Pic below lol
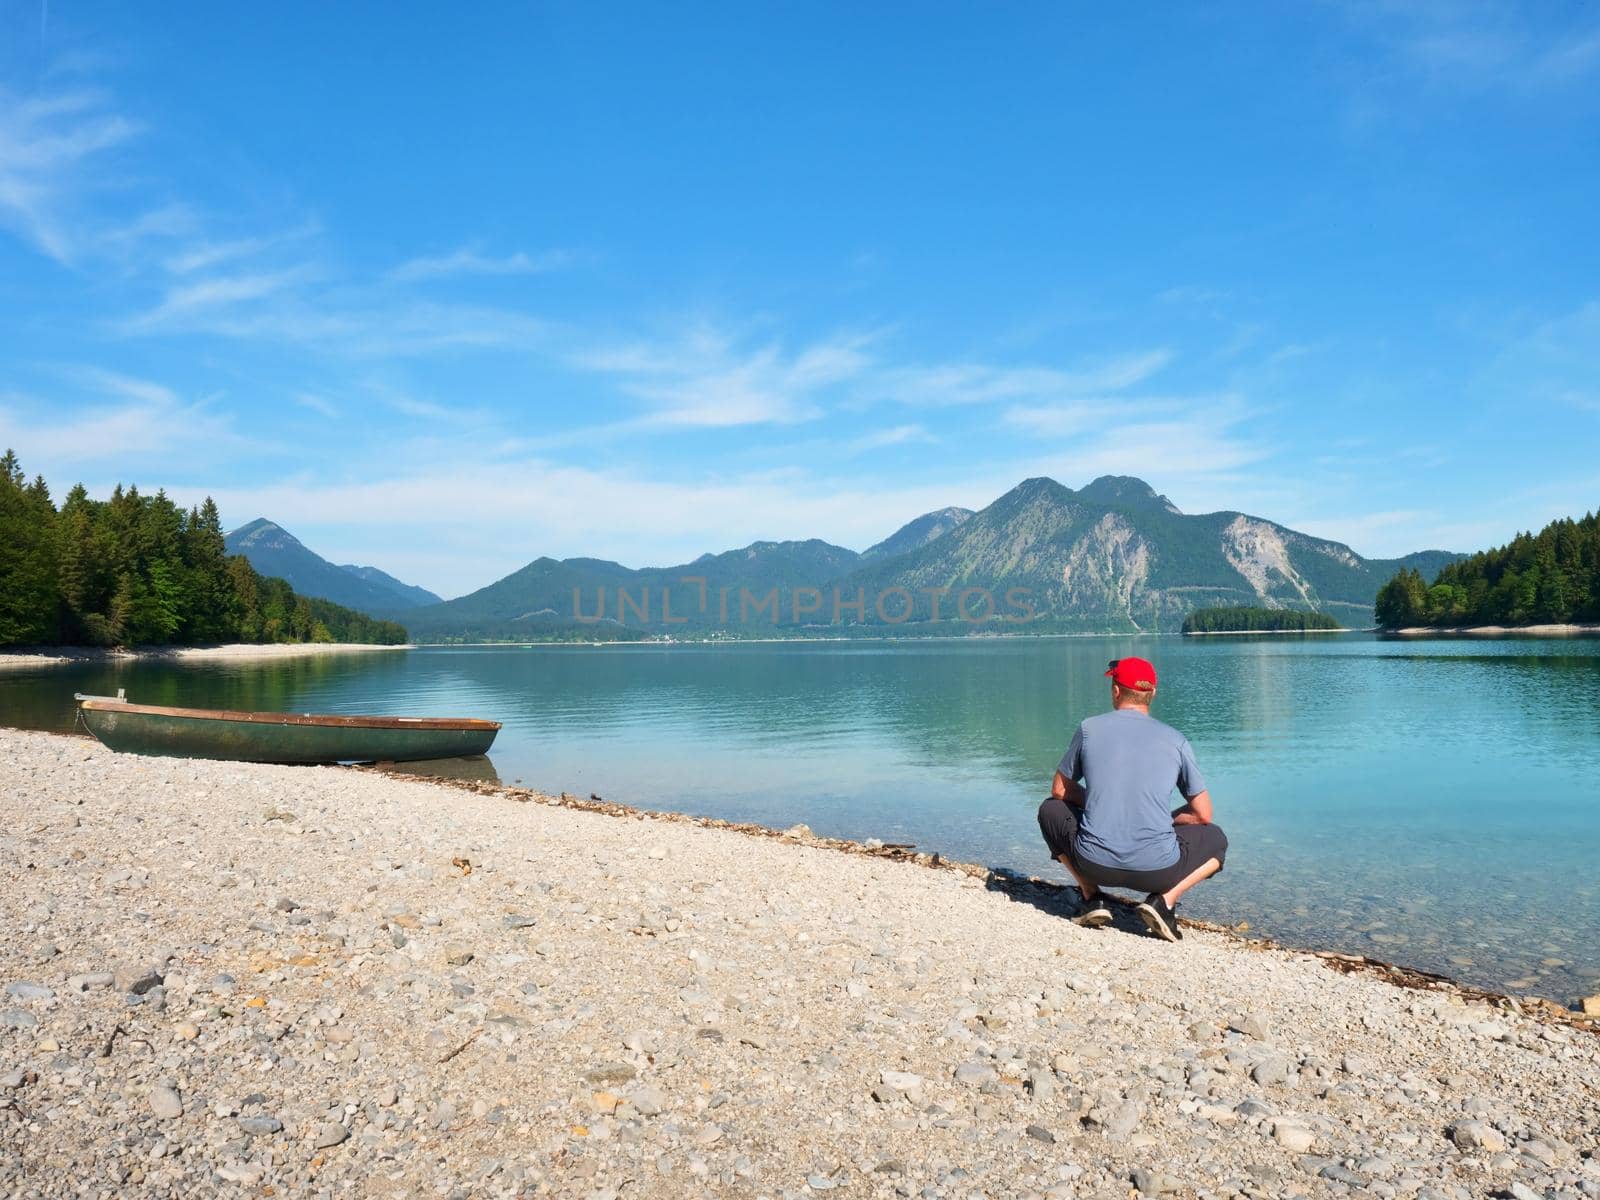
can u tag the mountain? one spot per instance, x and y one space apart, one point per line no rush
917 533
407 595
550 596
1115 556
1124 491
273 550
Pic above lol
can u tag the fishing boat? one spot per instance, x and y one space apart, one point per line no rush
271 737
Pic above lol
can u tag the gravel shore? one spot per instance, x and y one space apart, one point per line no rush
44 656
223 979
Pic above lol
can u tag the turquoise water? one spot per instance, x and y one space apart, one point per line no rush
1432 803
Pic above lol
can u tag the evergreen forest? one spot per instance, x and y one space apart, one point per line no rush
138 570
1547 578
1242 619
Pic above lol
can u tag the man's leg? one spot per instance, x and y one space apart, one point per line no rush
1088 890
1204 871
1202 850
1059 824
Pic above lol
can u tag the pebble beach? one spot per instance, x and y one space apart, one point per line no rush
27 658
228 979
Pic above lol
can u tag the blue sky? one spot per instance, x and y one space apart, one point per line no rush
444 291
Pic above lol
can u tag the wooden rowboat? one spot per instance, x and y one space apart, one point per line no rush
279 737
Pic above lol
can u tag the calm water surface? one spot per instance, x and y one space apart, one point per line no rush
1434 803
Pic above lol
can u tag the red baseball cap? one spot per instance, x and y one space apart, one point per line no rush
1135 673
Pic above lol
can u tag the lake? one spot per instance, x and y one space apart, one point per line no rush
1428 802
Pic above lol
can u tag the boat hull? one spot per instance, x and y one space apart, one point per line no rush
282 738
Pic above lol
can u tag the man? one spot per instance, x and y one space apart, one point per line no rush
1113 829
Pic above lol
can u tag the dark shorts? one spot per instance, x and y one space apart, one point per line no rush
1058 821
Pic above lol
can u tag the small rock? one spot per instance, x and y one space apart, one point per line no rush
284 904
23 990
260 1126
388 1095
649 1101
1251 1026
138 980
1296 1139
1040 1134
90 980
187 1030
1152 1183
641 1042
1476 1135
1339 1173
17 1018
1117 1122
1591 1005
1272 1072
975 1074
165 1102
901 1081
1042 1084
610 1072
459 956
242 1172
330 1133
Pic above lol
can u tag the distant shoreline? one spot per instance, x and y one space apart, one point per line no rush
1497 631
52 656
1264 632
778 641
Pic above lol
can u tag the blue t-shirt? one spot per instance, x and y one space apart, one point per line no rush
1129 763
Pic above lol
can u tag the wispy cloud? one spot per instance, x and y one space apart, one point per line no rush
145 424
1488 43
1069 418
897 435
218 293
471 261
316 404
206 253
51 152
129 387
708 379
982 383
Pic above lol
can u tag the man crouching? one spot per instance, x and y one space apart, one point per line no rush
1113 829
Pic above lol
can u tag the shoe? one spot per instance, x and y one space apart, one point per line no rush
1094 913
1159 919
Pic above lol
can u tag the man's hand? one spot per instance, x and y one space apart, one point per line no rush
1066 789
1196 812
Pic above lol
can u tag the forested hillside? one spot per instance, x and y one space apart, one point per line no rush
1243 619
137 569
1548 578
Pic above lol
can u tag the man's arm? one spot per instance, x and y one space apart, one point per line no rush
1066 789
1065 784
1196 812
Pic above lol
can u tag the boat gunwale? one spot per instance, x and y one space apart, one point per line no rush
323 720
